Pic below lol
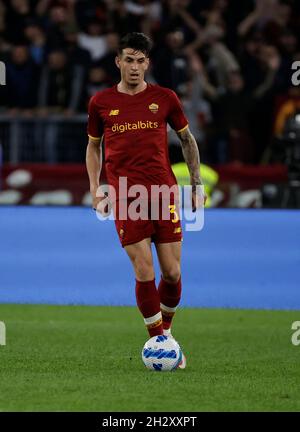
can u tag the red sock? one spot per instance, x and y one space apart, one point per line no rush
170 294
148 302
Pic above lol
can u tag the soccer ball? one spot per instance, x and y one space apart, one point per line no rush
161 353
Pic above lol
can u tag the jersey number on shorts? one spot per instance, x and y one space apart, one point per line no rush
173 211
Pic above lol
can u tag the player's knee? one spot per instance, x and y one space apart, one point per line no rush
143 270
172 274
144 274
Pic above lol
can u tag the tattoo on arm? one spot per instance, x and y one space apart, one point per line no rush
191 155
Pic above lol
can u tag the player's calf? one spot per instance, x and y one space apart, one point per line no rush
170 294
149 305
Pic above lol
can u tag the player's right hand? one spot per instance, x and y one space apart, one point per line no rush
101 204
199 197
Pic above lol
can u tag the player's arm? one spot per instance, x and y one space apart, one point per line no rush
94 162
192 158
94 165
191 154
94 151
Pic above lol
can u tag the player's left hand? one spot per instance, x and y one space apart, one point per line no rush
199 197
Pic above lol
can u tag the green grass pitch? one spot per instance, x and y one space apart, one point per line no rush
87 358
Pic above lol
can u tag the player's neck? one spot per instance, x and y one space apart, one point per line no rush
123 87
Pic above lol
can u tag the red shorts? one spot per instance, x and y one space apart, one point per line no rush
161 223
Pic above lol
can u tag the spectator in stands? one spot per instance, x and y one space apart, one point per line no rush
57 21
36 40
269 17
60 90
232 129
5 46
59 93
107 62
84 11
143 15
22 77
55 88
79 61
250 60
97 80
129 16
171 65
264 96
178 14
260 65
218 60
2 17
221 61
94 40
17 14
76 54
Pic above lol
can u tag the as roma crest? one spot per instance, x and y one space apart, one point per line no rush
153 108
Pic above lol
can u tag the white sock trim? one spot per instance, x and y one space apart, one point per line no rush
167 308
153 319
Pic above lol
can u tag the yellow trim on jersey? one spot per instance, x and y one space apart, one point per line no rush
94 138
184 128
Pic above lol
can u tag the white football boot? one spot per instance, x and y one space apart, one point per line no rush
182 364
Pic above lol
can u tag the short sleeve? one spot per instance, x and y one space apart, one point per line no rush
176 117
95 125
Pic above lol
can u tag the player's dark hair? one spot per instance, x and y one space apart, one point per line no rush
136 41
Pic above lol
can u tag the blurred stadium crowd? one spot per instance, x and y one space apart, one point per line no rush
229 61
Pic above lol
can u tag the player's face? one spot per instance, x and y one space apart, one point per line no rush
133 65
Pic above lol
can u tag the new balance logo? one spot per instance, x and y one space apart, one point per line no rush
114 112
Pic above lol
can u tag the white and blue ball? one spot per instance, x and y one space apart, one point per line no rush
161 353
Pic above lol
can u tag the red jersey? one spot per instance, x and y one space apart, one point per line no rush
135 133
